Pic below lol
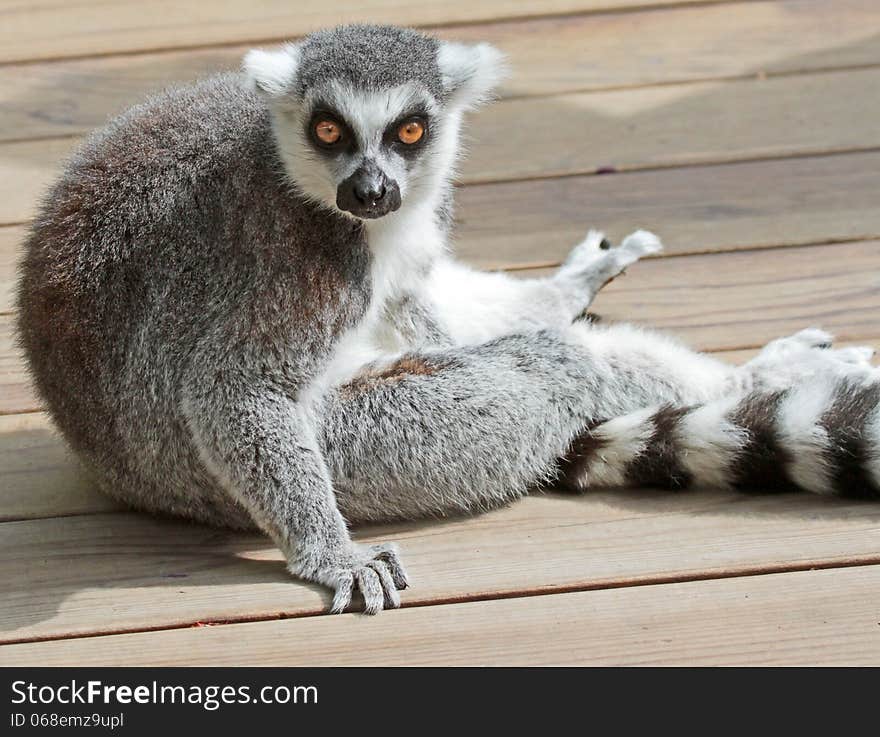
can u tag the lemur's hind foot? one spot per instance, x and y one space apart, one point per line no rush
808 355
594 262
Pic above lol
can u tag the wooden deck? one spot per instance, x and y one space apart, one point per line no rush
747 134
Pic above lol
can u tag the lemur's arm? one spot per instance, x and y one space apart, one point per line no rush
473 306
259 444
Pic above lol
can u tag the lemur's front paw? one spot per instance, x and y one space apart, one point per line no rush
375 570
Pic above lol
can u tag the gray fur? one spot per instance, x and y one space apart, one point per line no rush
408 320
117 317
370 57
465 429
191 305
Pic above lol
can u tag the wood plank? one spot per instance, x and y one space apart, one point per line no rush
29 168
39 476
46 29
700 209
673 125
712 301
16 393
733 303
547 56
803 618
687 43
10 242
624 129
121 572
744 299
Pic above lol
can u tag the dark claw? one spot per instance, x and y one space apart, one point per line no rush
605 245
588 317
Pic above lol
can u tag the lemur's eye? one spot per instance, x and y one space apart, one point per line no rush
328 131
411 131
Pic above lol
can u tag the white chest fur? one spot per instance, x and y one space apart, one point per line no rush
404 245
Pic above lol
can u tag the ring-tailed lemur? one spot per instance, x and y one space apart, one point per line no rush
239 305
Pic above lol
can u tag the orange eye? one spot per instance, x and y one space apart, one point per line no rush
328 131
411 132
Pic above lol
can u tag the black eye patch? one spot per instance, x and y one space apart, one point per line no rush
414 125
328 131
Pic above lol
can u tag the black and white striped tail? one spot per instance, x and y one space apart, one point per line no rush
823 439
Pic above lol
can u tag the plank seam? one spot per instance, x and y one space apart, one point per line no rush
48 138
607 171
28 411
759 75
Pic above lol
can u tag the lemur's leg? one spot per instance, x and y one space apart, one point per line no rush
467 428
261 448
804 356
473 306
594 262
472 427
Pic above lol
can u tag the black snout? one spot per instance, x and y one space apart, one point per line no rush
368 193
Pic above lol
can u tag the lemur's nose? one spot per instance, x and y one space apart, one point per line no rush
369 191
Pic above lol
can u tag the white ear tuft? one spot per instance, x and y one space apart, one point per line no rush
274 71
470 72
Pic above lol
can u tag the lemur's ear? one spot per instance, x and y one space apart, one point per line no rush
272 72
470 72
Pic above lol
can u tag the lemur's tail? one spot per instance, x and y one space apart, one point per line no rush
825 439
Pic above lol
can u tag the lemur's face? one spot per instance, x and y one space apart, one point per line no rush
367 117
365 150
